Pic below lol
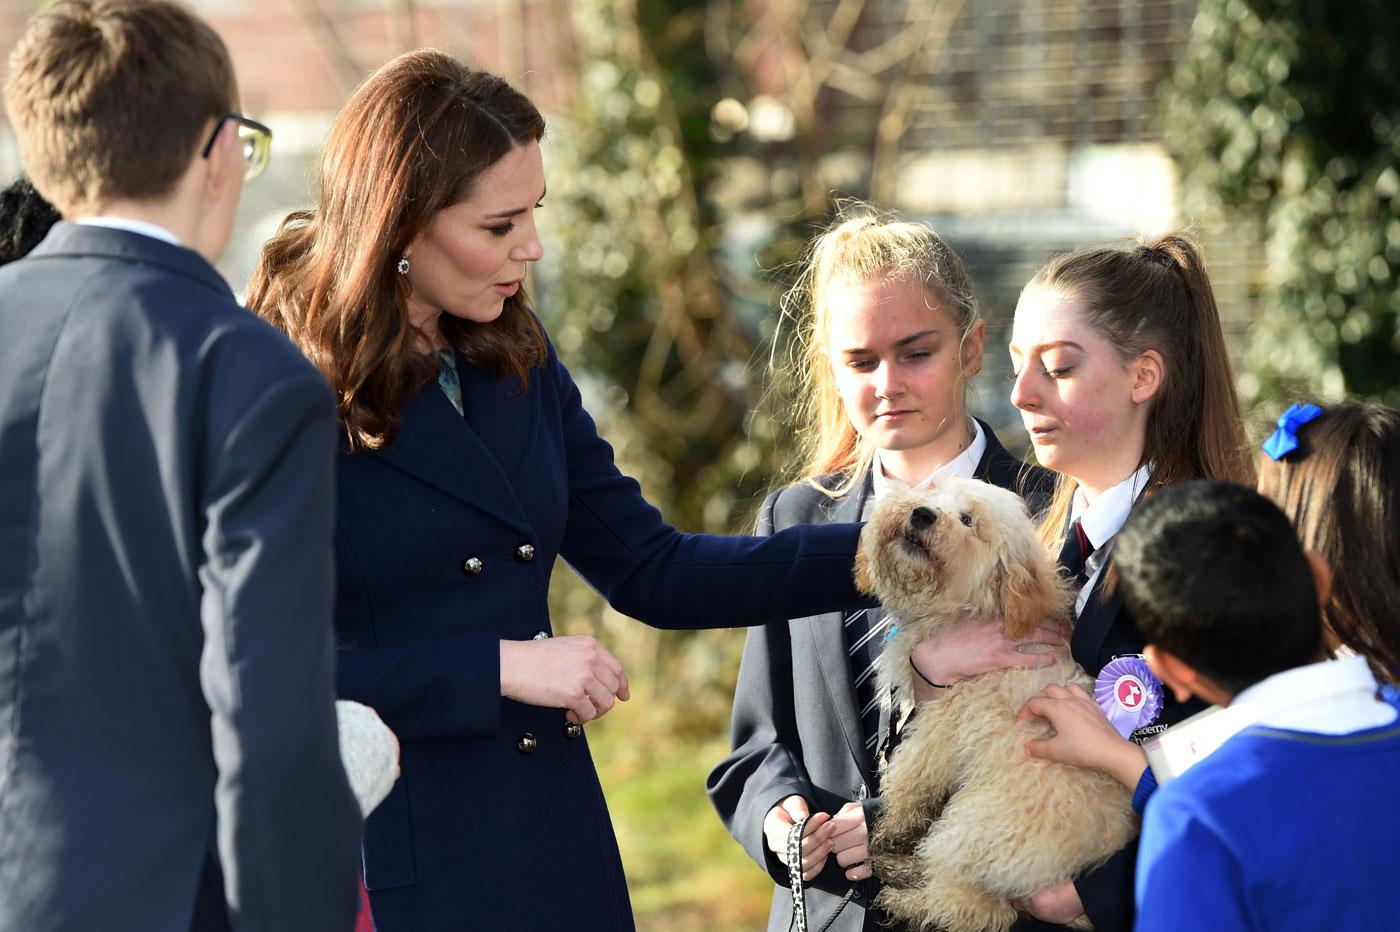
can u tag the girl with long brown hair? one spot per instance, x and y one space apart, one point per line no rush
1340 484
469 465
1125 386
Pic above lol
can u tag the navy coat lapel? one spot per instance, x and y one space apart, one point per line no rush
435 446
828 642
505 420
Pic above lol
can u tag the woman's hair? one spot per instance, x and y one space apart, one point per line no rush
1156 296
25 219
860 246
1341 487
411 141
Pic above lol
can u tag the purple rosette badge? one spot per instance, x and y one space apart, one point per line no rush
1129 693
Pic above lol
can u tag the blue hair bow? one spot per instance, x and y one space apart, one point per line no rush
1285 440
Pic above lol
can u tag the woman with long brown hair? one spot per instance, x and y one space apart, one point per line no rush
469 465
1125 386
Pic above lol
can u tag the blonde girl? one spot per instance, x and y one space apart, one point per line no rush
889 334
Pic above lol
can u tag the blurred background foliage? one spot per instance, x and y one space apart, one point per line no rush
1286 114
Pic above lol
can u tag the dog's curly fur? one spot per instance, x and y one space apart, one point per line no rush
969 823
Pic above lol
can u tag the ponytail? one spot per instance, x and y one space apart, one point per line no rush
1158 296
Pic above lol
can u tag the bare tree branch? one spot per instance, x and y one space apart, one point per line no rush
346 70
938 20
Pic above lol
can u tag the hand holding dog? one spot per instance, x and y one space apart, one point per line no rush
1083 736
1058 905
816 834
972 646
574 673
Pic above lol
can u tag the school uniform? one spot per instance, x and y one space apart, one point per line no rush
447 538
1290 824
798 727
1105 631
168 754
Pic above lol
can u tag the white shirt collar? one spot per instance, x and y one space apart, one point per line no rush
1105 516
962 465
131 226
1332 697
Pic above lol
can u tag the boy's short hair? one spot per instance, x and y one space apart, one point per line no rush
1214 574
110 98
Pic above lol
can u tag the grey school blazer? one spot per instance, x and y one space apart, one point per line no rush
168 754
797 728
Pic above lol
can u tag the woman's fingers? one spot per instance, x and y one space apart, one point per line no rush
600 696
582 706
617 676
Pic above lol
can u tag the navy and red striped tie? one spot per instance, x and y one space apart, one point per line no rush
1074 555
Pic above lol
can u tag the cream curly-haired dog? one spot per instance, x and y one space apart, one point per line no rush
969 823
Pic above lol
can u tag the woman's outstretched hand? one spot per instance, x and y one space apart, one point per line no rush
971 646
574 673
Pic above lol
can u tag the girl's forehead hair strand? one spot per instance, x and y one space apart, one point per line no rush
864 249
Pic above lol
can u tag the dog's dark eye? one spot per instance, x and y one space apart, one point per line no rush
967 519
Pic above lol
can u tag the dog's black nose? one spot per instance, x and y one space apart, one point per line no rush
921 518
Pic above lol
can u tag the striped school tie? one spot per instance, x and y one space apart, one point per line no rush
866 630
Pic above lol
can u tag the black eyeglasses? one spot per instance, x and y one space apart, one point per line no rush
253 137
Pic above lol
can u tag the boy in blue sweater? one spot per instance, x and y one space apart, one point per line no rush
1292 823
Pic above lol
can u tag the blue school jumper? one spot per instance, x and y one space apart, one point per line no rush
1278 829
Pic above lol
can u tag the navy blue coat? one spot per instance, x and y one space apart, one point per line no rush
434 572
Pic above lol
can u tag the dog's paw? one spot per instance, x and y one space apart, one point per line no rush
896 870
947 907
903 904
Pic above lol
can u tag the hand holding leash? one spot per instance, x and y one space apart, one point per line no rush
816 837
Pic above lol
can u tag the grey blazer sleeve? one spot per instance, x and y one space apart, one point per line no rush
288 826
763 769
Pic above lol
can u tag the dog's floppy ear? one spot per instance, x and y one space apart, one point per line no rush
862 572
1028 593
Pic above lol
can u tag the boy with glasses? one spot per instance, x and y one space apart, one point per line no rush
168 755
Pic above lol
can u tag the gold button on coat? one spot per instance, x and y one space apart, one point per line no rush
473 566
572 730
525 552
526 743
